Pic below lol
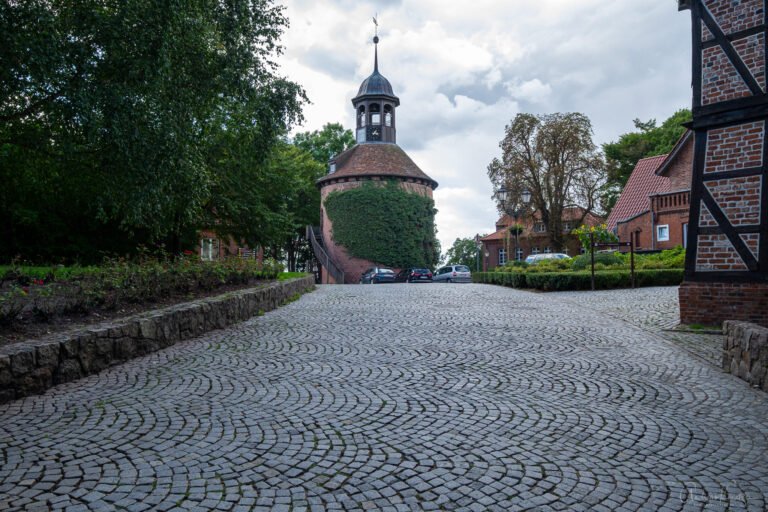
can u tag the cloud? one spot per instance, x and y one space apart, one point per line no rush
463 72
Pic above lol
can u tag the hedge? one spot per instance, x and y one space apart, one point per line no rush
563 281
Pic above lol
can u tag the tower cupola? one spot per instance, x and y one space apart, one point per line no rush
375 106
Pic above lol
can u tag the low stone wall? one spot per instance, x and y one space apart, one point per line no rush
745 352
32 367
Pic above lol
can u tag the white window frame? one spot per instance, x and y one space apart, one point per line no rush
539 227
519 254
547 250
662 233
535 250
502 256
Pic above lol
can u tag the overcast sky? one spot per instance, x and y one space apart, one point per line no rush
462 70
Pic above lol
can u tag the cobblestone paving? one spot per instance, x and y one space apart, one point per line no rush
398 397
653 309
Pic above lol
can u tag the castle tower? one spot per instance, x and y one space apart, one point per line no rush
375 159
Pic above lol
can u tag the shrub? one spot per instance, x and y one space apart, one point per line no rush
608 259
562 281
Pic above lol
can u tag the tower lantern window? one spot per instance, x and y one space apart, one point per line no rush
375 114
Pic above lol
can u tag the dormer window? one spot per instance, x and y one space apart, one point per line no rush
332 168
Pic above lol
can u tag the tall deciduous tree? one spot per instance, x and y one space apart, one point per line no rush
138 112
326 143
552 156
464 251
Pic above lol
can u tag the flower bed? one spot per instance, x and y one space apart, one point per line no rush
41 294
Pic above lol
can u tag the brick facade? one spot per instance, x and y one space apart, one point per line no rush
726 268
712 303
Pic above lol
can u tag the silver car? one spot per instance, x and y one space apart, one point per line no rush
453 274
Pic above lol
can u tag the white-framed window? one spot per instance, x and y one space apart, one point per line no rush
547 250
685 235
332 168
208 249
502 257
662 233
567 227
538 227
375 118
535 250
519 254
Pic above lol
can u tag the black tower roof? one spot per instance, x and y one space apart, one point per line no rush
376 84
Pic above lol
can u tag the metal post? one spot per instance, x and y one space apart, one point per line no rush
632 261
592 253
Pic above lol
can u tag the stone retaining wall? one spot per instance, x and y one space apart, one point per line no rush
745 352
32 367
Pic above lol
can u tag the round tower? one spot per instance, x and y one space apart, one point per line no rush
375 158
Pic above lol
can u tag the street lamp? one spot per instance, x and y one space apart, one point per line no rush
479 246
514 207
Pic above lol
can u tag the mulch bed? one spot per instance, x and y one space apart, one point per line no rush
30 327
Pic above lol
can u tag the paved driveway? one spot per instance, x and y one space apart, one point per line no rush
399 397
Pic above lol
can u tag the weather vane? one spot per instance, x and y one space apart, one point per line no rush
376 33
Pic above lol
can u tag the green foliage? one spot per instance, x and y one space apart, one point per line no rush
606 259
651 140
326 143
563 281
284 276
385 224
78 289
599 234
463 252
108 141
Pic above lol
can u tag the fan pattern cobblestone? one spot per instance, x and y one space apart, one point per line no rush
398 397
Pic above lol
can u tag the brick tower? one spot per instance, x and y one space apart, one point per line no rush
376 157
727 256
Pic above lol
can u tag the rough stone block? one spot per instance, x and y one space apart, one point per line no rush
48 356
68 370
5 370
22 360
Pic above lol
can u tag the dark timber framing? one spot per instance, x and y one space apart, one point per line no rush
721 115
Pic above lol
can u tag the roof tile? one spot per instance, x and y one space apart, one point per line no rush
642 183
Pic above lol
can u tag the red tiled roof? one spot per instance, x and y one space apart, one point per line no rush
375 160
642 183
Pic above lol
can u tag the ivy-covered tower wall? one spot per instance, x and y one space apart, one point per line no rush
727 250
352 266
376 203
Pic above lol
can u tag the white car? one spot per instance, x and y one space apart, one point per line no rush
536 258
453 274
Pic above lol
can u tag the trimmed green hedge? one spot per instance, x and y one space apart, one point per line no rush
563 281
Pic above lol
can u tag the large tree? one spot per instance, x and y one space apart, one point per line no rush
464 251
326 143
649 140
553 157
133 114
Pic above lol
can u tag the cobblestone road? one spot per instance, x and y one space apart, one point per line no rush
398 397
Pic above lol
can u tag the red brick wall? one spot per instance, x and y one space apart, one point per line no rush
713 303
675 220
642 226
734 147
681 170
720 81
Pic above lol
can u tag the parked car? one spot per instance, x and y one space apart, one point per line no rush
377 275
453 274
536 258
414 275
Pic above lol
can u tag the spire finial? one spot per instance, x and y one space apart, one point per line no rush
376 44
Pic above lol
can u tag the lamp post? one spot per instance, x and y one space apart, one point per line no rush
514 207
479 246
